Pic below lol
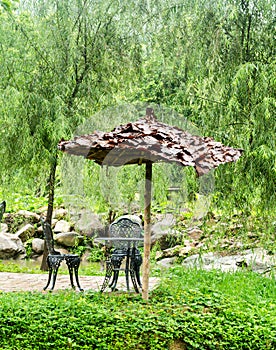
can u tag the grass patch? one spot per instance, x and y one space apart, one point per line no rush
191 309
27 266
87 268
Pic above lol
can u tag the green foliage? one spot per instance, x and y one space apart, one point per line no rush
30 266
96 254
23 198
22 267
212 62
206 310
8 5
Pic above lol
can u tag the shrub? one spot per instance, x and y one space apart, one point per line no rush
200 310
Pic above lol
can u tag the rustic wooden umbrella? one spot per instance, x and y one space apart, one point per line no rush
148 141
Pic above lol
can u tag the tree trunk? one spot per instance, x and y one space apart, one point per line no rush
147 232
51 195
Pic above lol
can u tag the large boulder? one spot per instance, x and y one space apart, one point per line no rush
38 245
168 253
176 251
161 230
60 214
195 233
167 262
163 225
3 228
26 232
16 221
62 226
89 224
68 239
257 260
10 246
29 216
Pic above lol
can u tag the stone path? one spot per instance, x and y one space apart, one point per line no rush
15 282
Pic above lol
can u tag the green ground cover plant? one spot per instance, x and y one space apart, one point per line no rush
27 266
190 309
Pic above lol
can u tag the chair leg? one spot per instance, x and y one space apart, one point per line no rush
53 262
108 274
113 273
133 277
116 264
128 268
69 264
54 279
138 262
49 278
77 279
114 281
73 263
135 263
137 274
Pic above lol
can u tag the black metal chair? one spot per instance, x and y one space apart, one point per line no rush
2 209
55 258
124 236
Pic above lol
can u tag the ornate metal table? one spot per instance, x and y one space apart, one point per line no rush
133 261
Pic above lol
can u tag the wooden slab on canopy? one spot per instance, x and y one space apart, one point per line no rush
147 139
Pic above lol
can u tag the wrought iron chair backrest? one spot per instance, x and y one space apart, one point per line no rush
124 228
2 210
49 239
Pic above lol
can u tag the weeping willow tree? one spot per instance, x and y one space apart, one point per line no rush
60 61
214 62
211 61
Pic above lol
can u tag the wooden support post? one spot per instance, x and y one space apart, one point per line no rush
147 232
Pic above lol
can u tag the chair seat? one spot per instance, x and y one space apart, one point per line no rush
64 255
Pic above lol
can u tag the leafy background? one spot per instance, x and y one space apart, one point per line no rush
63 62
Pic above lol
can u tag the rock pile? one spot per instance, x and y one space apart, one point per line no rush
21 235
256 260
22 231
